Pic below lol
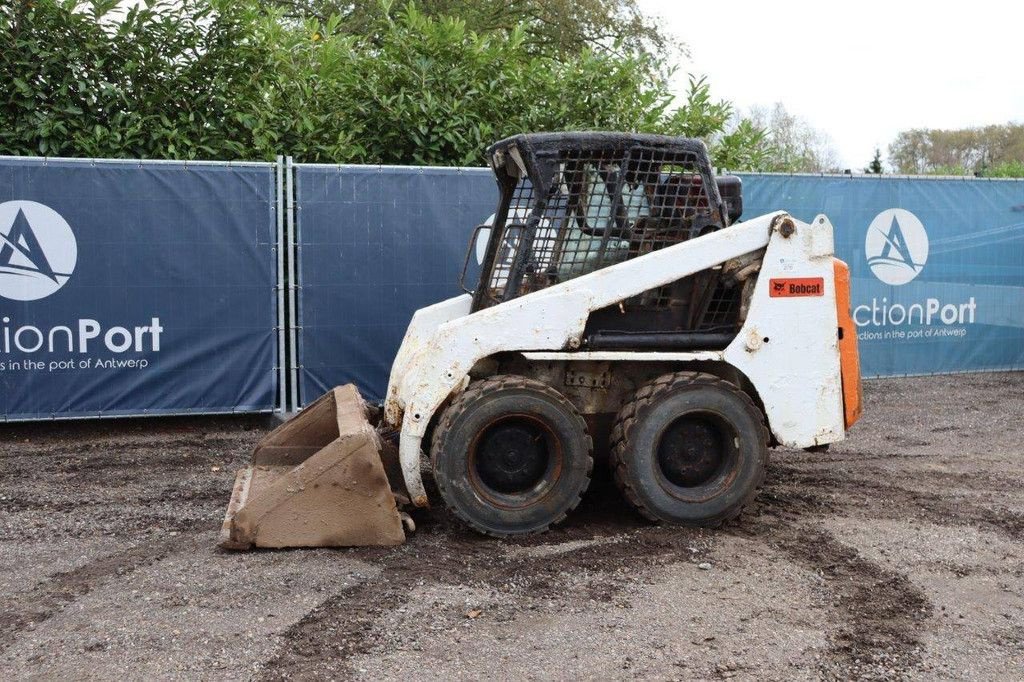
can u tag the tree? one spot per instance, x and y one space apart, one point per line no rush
428 90
735 142
875 167
797 147
989 150
551 27
235 80
160 80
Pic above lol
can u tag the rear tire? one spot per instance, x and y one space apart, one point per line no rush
511 456
689 448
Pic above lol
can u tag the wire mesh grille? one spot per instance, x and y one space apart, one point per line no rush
722 309
594 209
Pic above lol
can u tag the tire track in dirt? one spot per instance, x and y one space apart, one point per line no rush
884 614
82 477
868 494
880 614
345 625
617 549
47 599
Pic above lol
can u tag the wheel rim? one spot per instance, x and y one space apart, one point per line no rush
697 450
514 460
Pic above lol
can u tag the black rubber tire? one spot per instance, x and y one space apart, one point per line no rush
495 401
652 411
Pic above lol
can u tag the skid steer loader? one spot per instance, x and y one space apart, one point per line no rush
619 299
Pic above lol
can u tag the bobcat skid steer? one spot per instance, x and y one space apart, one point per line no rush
619 301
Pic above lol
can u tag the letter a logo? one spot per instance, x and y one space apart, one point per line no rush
896 246
38 251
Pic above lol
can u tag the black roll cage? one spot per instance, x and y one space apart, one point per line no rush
538 157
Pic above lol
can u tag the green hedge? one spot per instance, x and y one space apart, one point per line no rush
234 80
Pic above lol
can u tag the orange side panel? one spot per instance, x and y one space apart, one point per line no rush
849 358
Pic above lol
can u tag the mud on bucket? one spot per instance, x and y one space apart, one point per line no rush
315 481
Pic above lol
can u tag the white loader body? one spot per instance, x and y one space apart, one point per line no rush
787 348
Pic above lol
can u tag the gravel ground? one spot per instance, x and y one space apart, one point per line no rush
897 554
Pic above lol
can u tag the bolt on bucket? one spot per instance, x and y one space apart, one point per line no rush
317 480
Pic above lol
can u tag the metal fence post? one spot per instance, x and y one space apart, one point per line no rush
293 283
280 246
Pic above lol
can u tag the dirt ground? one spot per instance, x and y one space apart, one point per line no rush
897 554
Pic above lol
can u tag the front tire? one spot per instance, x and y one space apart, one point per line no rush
689 448
511 456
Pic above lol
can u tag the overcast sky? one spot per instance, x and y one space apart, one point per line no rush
861 71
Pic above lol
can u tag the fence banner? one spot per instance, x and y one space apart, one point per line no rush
376 244
937 265
134 288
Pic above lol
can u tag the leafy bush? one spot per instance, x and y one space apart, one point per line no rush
1005 169
163 80
235 80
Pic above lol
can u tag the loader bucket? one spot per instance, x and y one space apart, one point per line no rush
315 481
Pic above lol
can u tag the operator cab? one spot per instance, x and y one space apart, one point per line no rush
573 203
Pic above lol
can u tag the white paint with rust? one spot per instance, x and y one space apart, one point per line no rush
795 371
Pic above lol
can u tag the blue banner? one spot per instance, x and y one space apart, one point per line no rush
376 244
937 265
133 288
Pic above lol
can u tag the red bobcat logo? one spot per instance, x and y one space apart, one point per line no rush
797 286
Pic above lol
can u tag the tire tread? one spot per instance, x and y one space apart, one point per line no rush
477 389
641 402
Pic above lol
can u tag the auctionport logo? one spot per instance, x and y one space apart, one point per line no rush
38 254
38 251
896 246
